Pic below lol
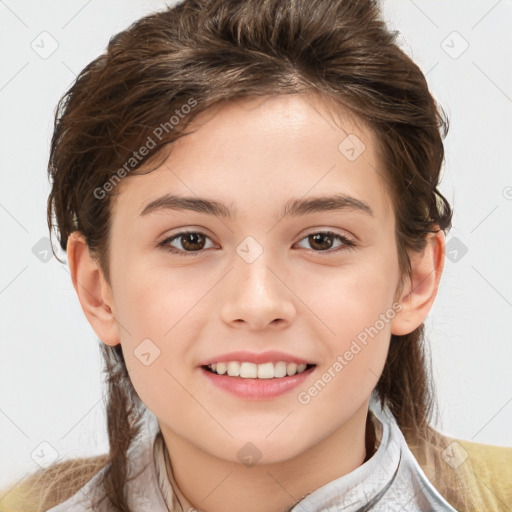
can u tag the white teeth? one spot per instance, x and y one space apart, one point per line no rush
233 368
291 368
261 371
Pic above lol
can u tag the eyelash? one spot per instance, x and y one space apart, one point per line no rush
347 244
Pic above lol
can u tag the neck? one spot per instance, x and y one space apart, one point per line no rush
217 485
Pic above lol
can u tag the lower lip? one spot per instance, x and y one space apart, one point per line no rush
257 389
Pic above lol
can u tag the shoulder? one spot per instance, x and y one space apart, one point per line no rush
46 488
486 470
492 468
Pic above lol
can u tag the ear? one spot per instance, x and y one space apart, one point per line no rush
420 291
94 293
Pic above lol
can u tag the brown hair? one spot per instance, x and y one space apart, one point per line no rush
201 53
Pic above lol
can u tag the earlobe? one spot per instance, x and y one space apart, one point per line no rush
420 291
92 290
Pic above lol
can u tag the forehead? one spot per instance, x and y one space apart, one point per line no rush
257 153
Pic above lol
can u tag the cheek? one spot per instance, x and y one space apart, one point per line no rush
156 310
359 317
354 306
152 300
351 297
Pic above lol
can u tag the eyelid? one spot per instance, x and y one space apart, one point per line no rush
330 231
184 230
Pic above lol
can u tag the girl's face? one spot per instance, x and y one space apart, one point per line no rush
254 278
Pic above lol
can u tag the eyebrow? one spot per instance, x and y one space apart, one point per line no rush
292 208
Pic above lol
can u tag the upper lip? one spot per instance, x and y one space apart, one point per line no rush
273 356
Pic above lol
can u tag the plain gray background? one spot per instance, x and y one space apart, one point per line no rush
50 373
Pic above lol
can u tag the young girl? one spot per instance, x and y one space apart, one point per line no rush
247 193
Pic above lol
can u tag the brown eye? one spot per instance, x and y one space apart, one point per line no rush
190 242
323 241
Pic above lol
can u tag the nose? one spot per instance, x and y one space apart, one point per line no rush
257 296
